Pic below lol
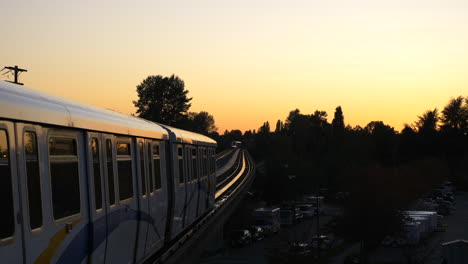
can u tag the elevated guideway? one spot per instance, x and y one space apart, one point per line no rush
235 178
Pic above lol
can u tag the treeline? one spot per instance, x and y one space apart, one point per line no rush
305 150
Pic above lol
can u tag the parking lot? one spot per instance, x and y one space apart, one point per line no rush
430 250
271 247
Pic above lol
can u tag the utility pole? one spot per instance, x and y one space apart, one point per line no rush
16 73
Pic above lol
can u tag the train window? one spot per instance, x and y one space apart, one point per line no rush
181 164
189 171
110 171
213 162
64 177
124 170
7 221
123 149
142 168
33 180
157 167
97 173
194 164
62 147
150 167
205 163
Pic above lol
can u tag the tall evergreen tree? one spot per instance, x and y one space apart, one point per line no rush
279 127
338 121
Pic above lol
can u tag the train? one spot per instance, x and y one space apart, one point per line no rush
81 184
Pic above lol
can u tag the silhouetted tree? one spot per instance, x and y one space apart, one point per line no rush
265 128
290 119
279 127
338 121
455 116
319 118
378 128
427 123
408 130
162 99
202 123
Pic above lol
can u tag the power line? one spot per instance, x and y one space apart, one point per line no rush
15 71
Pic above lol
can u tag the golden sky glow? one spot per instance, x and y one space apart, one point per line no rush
247 61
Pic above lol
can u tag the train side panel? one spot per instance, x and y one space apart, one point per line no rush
158 197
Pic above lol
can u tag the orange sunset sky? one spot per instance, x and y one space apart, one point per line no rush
247 61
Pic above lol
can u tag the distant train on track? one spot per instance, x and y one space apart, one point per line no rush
236 144
80 184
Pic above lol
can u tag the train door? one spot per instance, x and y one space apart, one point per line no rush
10 227
123 216
98 200
32 152
179 189
158 199
54 187
143 198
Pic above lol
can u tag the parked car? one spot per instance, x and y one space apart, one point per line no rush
240 237
257 233
325 242
392 241
307 210
300 249
268 219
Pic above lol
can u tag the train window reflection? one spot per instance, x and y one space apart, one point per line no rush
7 223
142 168
33 180
62 146
64 177
110 171
97 173
181 164
150 168
156 167
124 171
123 149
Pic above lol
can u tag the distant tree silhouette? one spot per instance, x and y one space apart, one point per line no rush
338 121
279 127
427 123
378 128
408 130
265 128
455 116
319 118
202 123
290 119
162 99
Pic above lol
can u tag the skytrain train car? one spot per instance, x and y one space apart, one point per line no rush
189 180
82 184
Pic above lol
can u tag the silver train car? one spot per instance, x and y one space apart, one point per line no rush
80 184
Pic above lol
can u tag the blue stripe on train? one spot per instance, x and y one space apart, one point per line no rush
76 251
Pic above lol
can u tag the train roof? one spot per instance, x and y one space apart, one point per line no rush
25 104
184 136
